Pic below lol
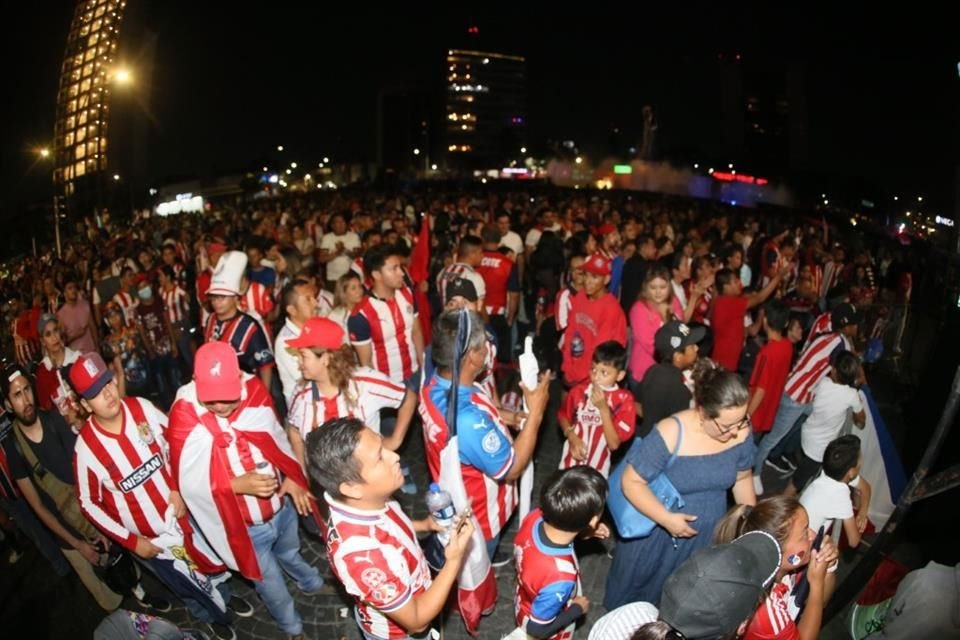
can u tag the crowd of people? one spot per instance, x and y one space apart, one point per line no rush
195 393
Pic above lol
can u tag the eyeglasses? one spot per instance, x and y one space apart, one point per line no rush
736 426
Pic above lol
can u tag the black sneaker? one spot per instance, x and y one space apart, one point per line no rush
156 603
221 631
240 607
500 559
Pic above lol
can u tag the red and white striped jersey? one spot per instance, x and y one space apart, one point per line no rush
128 304
813 366
460 270
387 326
325 303
823 324
587 424
123 480
486 450
258 298
499 275
375 554
367 392
176 304
776 617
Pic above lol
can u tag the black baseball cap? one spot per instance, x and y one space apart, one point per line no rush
461 287
844 314
675 336
720 587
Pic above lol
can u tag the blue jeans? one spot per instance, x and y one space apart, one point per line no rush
492 545
790 415
31 527
277 545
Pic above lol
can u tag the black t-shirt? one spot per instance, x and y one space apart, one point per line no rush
54 453
662 394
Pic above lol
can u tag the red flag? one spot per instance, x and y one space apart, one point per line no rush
420 272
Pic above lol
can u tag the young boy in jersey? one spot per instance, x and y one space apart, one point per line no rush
122 465
839 493
371 543
598 416
548 600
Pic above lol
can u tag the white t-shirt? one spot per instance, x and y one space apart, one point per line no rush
341 264
830 404
513 242
826 499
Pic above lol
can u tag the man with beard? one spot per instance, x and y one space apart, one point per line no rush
40 454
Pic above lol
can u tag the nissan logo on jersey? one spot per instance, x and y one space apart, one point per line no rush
141 473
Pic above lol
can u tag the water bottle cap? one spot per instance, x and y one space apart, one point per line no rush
434 487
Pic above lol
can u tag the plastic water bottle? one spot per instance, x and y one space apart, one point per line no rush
441 508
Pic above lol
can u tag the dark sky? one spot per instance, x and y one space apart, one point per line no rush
230 84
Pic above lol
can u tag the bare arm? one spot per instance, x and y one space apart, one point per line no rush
755 399
296 443
365 351
417 341
417 614
266 375
743 492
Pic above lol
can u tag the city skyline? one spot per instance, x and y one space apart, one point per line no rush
224 98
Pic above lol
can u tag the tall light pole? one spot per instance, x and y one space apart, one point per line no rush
44 154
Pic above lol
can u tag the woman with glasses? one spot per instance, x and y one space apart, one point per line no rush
714 452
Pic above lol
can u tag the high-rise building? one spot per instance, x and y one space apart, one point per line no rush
83 99
486 108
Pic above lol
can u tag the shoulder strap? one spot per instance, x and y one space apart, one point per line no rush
676 449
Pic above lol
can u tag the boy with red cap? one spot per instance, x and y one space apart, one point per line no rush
122 466
595 317
234 468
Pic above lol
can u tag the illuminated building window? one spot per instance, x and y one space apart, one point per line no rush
85 86
88 56
81 135
71 106
88 70
92 40
68 139
100 11
80 152
79 169
82 118
92 148
72 90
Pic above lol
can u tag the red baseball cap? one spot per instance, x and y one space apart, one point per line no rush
216 373
216 247
318 332
605 229
598 265
89 374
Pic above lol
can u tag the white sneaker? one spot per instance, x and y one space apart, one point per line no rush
757 485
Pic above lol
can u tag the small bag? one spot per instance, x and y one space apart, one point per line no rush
631 523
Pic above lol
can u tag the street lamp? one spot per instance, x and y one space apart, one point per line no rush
44 154
122 76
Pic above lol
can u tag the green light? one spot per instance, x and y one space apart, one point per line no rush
622 169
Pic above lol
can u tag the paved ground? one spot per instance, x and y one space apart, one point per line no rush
34 605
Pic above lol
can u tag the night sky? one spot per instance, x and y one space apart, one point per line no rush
882 93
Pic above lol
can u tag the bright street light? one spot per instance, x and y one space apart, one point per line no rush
523 149
416 152
279 147
122 76
293 165
116 176
44 153
579 160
